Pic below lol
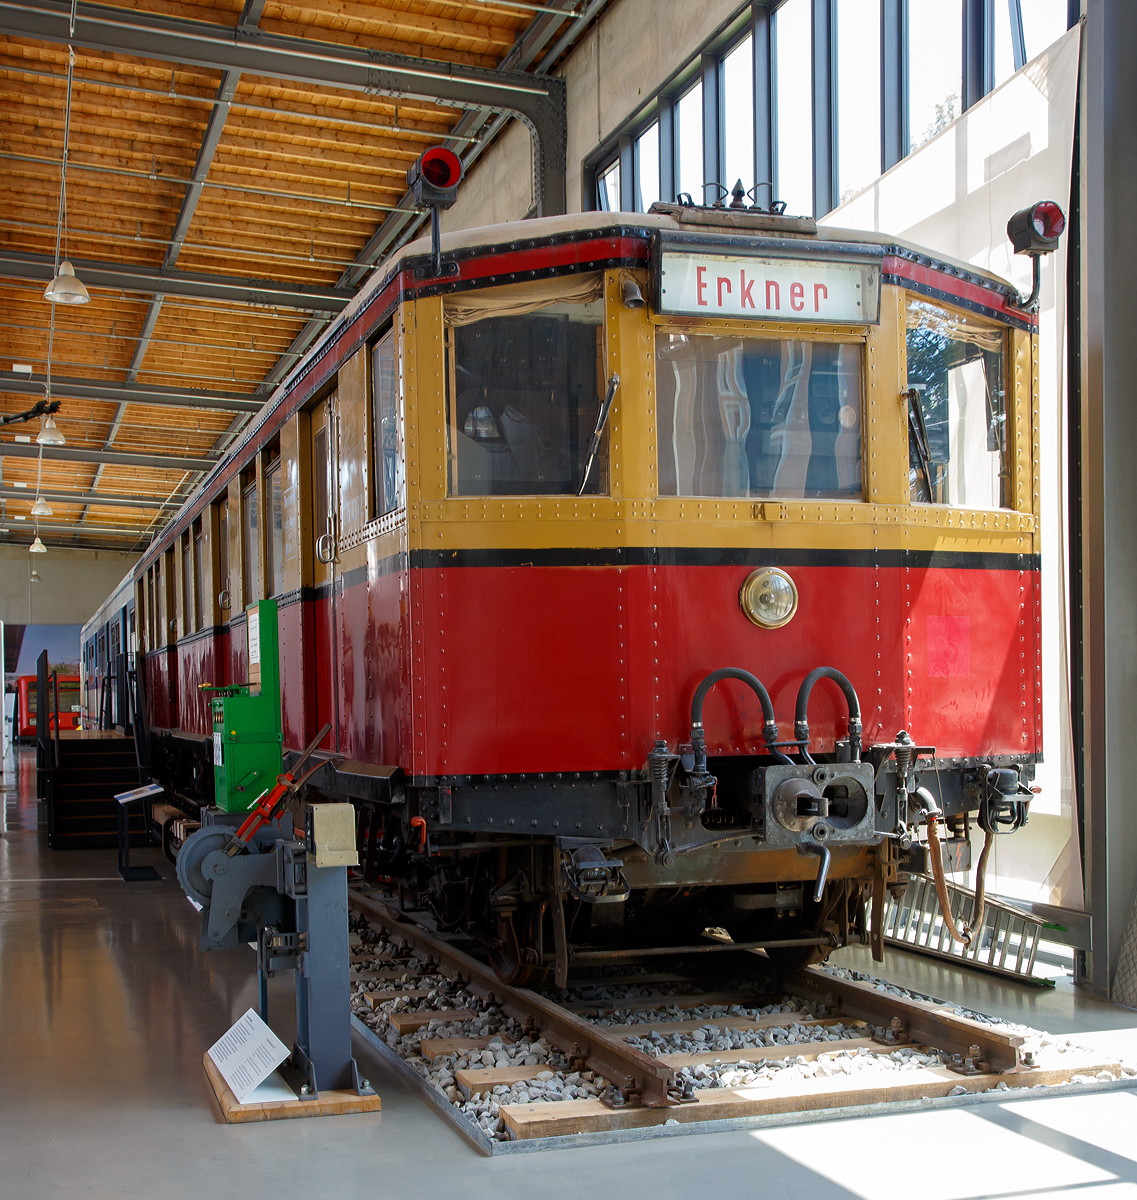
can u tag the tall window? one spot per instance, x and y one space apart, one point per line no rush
187 584
738 116
1044 22
608 188
385 425
274 539
159 607
151 639
1005 32
647 168
793 98
858 95
935 50
198 574
252 549
689 139
223 582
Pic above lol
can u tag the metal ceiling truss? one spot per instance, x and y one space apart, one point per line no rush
118 458
133 277
64 387
110 499
537 101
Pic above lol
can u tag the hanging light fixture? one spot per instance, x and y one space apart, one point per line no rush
34 576
41 508
37 547
50 434
65 288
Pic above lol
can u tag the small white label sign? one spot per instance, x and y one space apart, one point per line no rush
218 755
247 1055
254 636
771 289
140 793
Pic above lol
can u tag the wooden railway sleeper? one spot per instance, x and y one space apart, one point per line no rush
634 1071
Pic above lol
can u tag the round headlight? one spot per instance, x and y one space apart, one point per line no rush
769 598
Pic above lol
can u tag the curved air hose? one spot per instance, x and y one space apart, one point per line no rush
969 931
769 725
801 717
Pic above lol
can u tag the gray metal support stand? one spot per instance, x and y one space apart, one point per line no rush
323 993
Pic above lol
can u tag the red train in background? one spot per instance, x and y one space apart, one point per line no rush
646 567
69 705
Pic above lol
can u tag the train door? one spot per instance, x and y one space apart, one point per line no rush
325 525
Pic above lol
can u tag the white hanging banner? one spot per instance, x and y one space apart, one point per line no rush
954 195
784 289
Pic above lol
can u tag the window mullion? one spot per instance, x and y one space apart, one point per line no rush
667 184
712 140
893 81
763 106
824 108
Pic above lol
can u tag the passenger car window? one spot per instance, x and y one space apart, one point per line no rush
524 392
385 424
958 442
748 416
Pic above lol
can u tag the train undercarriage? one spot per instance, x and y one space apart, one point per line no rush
782 852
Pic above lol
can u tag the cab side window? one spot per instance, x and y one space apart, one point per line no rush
959 446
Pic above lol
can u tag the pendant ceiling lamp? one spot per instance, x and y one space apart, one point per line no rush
65 288
50 434
41 508
37 547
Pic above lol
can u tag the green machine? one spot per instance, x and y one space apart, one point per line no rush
247 753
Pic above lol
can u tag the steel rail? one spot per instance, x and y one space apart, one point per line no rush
587 956
924 1022
621 1064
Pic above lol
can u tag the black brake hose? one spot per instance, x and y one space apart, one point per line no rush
769 725
801 720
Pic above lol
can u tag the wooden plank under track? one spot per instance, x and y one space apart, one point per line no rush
558 1118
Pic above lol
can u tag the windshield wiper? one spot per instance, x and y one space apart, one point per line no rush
918 428
598 432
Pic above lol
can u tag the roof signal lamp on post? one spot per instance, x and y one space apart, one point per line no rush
1035 231
433 181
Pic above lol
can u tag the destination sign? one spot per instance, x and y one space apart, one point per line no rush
769 289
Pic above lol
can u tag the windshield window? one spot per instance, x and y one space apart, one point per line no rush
524 393
748 416
958 446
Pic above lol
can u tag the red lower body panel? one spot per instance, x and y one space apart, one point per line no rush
539 669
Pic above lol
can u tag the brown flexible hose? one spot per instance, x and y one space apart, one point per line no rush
936 855
976 922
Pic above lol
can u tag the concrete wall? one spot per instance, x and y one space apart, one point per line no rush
618 64
73 584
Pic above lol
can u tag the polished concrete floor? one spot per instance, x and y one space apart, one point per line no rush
106 1007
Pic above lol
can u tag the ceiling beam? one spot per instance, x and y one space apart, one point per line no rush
250 16
135 277
51 525
540 102
117 393
106 499
155 462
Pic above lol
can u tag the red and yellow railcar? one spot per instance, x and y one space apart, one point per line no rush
516 508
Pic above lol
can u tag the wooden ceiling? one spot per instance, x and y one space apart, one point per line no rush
299 179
